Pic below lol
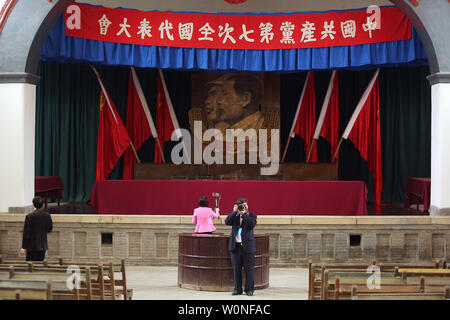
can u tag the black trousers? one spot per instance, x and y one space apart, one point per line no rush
36 255
241 259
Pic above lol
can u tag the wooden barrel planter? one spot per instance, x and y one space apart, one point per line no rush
204 262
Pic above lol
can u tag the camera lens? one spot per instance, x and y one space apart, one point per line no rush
241 207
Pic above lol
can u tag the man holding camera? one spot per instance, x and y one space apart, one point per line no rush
242 245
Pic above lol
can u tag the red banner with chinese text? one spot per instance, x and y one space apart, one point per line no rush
237 31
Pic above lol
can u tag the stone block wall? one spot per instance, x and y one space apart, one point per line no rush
153 240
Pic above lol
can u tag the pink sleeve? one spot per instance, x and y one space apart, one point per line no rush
194 218
215 214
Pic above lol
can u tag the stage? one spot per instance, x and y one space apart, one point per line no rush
153 239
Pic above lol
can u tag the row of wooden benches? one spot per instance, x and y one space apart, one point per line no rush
63 280
389 282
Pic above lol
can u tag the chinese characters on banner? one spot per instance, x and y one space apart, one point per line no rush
236 31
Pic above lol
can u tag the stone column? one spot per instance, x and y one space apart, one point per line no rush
21 41
17 125
440 144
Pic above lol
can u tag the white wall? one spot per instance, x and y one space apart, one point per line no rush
440 148
17 131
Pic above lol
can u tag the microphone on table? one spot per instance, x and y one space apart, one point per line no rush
216 196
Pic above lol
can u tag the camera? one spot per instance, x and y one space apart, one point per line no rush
241 207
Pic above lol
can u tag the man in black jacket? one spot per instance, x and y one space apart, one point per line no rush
242 245
37 225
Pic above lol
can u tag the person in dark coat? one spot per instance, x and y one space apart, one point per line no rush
242 245
37 225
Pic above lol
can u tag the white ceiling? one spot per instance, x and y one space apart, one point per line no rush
254 6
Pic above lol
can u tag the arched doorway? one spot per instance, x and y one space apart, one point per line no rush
31 21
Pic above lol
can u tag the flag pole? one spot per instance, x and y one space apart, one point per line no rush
285 149
160 149
310 150
337 149
134 151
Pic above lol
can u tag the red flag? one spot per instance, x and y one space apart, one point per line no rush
305 119
328 123
166 121
140 124
112 136
363 130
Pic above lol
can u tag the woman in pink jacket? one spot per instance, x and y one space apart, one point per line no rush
203 217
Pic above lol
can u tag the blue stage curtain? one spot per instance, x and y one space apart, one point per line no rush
60 48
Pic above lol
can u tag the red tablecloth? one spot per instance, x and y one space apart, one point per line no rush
48 186
179 197
417 191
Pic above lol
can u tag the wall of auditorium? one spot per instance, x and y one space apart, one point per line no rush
153 240
17 124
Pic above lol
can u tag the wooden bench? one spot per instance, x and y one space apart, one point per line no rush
338 284
62 265
343 289
326 281
25 290
443 295
93 284
316 272
333 278
424 272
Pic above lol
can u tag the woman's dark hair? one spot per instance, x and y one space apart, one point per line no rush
38 202
203 201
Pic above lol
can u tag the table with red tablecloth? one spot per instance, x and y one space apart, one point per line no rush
417 191
48 187
180 197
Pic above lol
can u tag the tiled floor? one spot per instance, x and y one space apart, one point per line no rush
160 283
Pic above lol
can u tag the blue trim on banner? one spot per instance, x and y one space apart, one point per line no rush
59 48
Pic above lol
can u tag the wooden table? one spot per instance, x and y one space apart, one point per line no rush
48 187
417 191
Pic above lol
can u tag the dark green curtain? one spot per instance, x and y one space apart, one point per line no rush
67 103
67 111
405 96
67 121
405 111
